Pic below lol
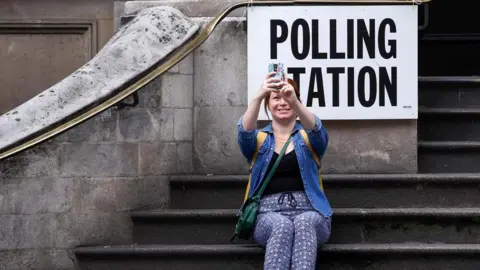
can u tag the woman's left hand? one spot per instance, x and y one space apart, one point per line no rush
288 94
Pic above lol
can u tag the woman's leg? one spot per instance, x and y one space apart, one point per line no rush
275 232
311 230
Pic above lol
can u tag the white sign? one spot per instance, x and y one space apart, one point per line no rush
351 62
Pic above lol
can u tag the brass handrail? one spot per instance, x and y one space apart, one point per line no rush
183 52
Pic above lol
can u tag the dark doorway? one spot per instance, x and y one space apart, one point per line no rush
450 43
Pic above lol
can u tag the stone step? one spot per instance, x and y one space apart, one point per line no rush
349 226
343 190
449 125
250 257
449 92
449 157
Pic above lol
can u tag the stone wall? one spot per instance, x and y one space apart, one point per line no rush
44 206
77 188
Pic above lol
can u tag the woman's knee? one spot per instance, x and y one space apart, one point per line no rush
313 220
306 219
272 224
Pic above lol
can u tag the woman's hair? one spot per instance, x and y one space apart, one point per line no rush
267 97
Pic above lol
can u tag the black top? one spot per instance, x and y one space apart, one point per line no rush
287 176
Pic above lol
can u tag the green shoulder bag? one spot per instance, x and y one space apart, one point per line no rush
249 211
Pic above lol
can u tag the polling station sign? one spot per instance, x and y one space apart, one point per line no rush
351 62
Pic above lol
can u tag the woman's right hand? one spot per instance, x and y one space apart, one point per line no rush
270 84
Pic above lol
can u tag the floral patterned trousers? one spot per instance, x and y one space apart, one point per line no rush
291 230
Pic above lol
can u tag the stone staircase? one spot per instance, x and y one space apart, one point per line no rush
448 128
429 220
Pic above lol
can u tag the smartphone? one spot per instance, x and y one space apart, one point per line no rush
278 68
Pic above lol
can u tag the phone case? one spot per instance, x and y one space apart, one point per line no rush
277 67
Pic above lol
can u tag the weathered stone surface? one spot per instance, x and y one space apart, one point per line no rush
147 39
92 228
185 66
371 147
158 158
177 90
167 122
47 258
221 67
94 194
117 194
137 124
139 193
95 212
184 157
35 195
156 192
100 128
52 230
150 96
84 211
40 160
216 150
7 233
35 231
107 159
44 231
183 124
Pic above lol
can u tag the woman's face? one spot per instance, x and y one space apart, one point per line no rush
279 108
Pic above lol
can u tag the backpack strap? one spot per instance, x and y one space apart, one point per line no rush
317 160
261 136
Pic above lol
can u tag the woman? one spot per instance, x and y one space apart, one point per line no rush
294 217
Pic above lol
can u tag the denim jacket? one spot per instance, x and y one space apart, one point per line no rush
309 170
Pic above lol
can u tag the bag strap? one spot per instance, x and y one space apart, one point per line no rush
317 160
261 136
272 171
